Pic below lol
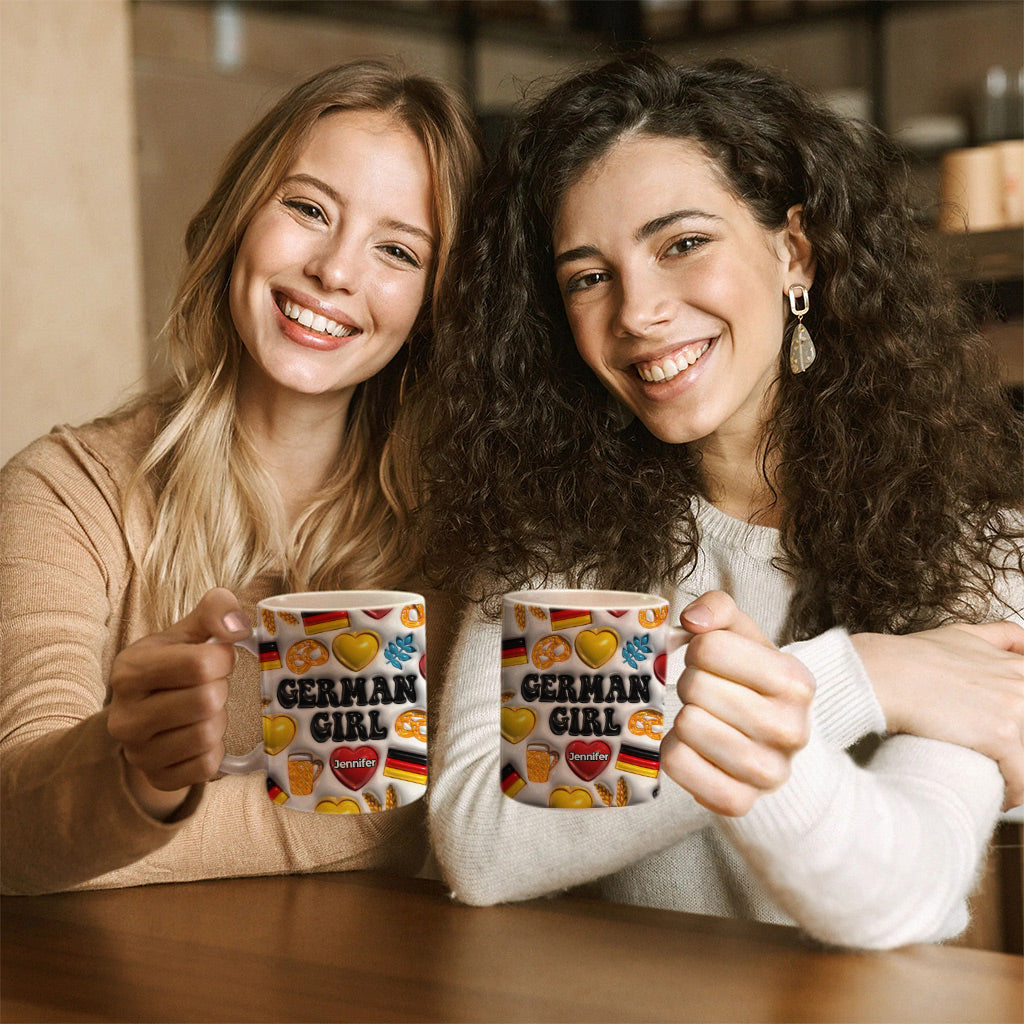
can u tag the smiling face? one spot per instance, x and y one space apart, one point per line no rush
332 270
673 290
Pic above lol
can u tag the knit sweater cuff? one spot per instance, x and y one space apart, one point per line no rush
875 857
845 706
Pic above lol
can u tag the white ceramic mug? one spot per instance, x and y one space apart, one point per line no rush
343 679
582 690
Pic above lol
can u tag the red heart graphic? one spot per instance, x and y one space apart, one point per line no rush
588 760
377 613
660 664
423 666
618 615
354 766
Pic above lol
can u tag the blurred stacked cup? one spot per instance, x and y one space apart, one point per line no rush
980 187
1011 157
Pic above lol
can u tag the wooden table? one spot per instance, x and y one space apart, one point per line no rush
366 947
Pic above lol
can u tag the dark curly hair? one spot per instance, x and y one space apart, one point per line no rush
899 458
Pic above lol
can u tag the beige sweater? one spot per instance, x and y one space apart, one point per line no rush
70 600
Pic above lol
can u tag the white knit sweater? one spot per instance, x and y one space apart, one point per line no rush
873 857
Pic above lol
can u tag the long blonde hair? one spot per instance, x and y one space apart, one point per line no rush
218 519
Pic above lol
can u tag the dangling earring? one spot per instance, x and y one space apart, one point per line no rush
801 350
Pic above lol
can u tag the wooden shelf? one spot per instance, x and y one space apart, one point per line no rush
595 29
613 23
990 266
987 257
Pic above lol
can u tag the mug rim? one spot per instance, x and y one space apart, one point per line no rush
587 598
334 600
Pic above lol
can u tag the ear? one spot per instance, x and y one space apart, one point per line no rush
798 246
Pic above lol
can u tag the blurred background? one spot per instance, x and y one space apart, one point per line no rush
117 113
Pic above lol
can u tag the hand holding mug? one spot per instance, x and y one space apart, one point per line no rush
746 710
168 697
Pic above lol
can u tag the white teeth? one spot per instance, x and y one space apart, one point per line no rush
314 321
667 368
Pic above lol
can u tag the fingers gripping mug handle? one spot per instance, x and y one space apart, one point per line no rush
255 759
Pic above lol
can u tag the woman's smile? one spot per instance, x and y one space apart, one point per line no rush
668 367
315 323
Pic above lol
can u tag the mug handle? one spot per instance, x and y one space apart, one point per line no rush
678 637
675 641
255 759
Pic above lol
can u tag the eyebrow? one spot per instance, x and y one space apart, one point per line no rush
652 227
336 198
642 234
582 252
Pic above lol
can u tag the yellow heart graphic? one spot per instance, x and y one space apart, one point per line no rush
332 806
564 796
278 732
596 646
356 650
517 723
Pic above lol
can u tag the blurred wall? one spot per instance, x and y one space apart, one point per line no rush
71 342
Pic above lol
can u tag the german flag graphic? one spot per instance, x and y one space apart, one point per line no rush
511 780
275 792
407 765
638 761
513 652
321 622
568 618
269 656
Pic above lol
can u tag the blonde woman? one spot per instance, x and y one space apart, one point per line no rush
272 460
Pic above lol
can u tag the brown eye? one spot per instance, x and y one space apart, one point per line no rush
309 210
682 246
399 253
584 282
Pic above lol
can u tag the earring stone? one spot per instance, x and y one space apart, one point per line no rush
801 349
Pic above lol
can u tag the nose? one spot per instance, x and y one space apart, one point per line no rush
337 264
644 304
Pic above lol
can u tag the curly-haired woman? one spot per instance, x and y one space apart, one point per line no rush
273 460
699 347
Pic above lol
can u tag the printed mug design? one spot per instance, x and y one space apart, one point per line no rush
344 707
581 703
